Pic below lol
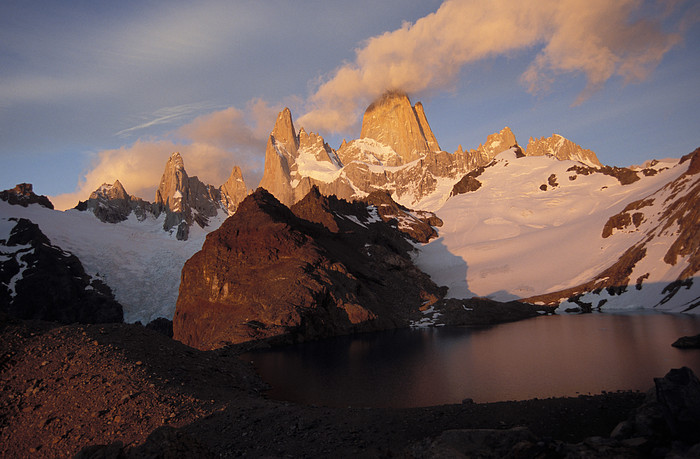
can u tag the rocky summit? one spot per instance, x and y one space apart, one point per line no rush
23 195
561 148
112 204
183 199
392 121
397 152
323 268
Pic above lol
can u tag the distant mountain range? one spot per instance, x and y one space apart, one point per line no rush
547 224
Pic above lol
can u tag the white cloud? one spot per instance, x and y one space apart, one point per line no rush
597 38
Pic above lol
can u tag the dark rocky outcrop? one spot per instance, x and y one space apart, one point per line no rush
161 325
669 419
267 272
687 342
41 281
468 183
623 175
23 195
112 204
417 225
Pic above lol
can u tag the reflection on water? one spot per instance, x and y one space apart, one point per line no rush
543 357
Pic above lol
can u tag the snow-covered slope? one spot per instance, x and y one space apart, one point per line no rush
535 226
137 259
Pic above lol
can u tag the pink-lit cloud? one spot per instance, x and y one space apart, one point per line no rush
210 145
597 38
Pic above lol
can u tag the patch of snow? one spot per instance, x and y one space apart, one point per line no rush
373 215
309 166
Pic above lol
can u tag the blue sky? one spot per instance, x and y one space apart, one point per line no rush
97 91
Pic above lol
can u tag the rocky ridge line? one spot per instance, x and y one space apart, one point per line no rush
184 199
397 153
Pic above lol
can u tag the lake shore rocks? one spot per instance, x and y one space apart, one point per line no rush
122 390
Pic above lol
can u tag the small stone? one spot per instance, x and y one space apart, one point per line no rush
635 442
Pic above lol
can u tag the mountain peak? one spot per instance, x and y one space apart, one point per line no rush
561 148
107 191
23 195
284 131
393 121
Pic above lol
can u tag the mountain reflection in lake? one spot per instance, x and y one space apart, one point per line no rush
543 357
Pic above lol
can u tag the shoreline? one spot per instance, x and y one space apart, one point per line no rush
75 387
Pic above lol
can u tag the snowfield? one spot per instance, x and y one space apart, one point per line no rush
138 260
510 239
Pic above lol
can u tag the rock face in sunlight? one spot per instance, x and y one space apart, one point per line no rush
323 268
561 148
397 153
392 121
185 200
296 162
41 281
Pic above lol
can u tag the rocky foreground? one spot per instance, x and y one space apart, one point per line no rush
122 390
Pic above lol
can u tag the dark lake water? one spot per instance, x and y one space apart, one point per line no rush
543 357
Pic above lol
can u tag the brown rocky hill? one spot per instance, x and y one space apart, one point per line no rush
323 268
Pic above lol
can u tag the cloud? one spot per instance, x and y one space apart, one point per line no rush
166 115
597 38
211 145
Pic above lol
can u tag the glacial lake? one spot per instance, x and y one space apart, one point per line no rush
548 356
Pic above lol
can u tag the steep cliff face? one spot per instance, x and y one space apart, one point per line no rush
561 148
233 191
294 163
397 152
393 121
335 268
